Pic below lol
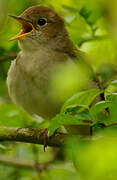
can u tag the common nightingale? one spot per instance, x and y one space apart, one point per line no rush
46 48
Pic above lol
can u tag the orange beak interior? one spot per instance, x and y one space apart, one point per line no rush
27 28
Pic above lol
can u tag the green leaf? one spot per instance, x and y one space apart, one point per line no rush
76 108
90 16
84 98
2 147
106 49
111 97
11 115
84 116
67 119
111 91
98 107
114 83
113 111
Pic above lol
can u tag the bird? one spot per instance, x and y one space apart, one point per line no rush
46 48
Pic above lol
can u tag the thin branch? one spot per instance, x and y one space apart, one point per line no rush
29 135
99 38
10 56
36 156
112 124
102 125
23 164
37 165
15 163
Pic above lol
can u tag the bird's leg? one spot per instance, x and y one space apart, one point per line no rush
44 132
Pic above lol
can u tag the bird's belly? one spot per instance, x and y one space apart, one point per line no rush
30 92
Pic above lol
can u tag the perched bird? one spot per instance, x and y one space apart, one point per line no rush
45 48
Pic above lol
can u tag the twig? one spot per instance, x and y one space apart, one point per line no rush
15 162
99 38
35 154
103 125
37 165
10 56
112 124
22 164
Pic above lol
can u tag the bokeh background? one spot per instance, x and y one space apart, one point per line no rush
92 25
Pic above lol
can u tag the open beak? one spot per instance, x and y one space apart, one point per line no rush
27 27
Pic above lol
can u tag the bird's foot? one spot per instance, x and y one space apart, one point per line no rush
44 132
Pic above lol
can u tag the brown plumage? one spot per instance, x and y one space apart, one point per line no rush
45 49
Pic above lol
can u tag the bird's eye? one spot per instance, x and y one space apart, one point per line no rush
42 22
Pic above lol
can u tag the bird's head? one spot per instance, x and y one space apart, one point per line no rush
41 26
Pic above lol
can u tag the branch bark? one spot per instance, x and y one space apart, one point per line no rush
30 135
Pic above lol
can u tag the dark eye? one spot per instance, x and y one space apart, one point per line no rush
42 22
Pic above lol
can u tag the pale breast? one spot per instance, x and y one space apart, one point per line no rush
28 84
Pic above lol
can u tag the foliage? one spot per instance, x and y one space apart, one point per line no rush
92 27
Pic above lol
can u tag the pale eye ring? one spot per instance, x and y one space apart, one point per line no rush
42 21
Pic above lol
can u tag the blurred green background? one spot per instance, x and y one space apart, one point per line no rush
92 25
